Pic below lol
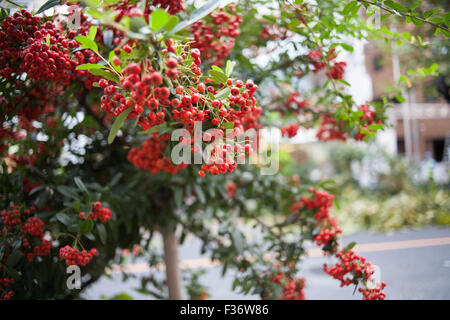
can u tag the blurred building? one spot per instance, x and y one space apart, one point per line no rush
422 122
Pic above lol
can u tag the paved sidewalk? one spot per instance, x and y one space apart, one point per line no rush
414 263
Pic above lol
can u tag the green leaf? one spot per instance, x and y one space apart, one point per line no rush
375 126
68 192
90 236
327 182
350 246
13 273
105 74
91 66
447 18
173 21
429 13
122 296
80 185
199 192
63 218
346 46
196 15
400 98
218 76
415 5
237 240
86 226
92 32
436 20
217 68
49 4
112 54
118 123
14 258
344 82
153 129
102 233
396 6
136 23
349 7
94 13
178 194
222 94
229 67
87 43
228 125
159 19
385 16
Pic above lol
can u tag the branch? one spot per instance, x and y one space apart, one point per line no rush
395 12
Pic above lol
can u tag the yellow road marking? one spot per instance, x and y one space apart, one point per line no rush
316 252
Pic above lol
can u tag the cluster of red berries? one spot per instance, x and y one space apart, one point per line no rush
351 267
33 227
11 216
44 52
231 188
295 103
149 156
31 104
337 70
319 62
139 92
321 200
293 289
172 6
14 32
38 250
217 40
100 213
222 158
73 256
326 236
374 293
290 131
153 104
36 48
330 129
5 283
31 231
274 32
368 118
315 58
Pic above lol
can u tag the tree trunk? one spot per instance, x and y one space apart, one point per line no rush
171 260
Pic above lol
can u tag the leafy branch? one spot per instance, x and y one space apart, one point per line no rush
398 9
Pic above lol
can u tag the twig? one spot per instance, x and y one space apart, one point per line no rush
395 12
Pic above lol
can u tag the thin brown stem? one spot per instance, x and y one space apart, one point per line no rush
403 14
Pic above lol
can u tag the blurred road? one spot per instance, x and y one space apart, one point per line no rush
414 263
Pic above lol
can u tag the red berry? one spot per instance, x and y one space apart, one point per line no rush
116 60
235 91
180 90
171 63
